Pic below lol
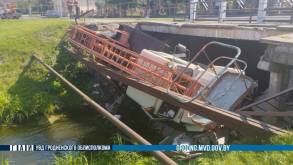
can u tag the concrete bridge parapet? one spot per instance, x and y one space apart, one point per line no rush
278 60
216 30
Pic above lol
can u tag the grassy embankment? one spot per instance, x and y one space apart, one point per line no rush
25 88
107 158
28 91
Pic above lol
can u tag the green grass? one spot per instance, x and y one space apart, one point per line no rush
256 158
106 158
3 160
27 90
217 158
24 87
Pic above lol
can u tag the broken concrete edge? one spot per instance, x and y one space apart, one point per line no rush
286 39
288 28
228 31
222 26
279 51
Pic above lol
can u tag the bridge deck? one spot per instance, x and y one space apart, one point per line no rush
217 30
279 39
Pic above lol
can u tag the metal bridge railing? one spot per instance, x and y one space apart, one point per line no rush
247 14
211 66
183 11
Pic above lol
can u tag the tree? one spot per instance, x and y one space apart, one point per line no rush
26 5
46 5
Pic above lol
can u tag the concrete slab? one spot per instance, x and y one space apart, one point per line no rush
215 30
279 39
285 27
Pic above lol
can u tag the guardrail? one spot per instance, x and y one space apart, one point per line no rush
178 11
182 11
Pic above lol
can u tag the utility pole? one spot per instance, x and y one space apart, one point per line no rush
61 8
261 13
192 9
164 159
87 5
222 10
147 9
29 7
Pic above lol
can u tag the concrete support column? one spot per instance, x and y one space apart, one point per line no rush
275 85
61 8
222 10
261 13
192 9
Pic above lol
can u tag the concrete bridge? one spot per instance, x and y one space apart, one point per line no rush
218 30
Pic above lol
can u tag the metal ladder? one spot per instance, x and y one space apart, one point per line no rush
115 54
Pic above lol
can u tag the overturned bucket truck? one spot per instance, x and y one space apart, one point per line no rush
139 58
221 86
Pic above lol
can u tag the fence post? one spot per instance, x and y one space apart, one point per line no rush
222 10
192 9
250 16
174 13
291 19
261 13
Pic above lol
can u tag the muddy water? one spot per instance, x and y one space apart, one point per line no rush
61 130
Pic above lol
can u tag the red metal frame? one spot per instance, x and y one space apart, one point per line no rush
119 56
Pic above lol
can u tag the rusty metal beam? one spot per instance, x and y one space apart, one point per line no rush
242 123
268 114
266 99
